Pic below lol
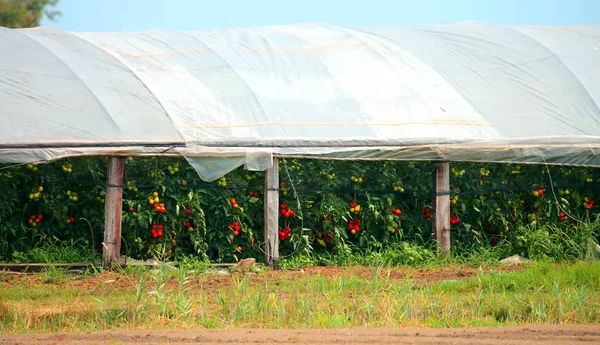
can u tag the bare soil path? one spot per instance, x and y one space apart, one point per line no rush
547 334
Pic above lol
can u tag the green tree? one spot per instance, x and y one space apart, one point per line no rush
26 13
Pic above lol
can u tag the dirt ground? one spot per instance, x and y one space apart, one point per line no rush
562 334
96 284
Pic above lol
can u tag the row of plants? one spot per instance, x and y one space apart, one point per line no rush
327 208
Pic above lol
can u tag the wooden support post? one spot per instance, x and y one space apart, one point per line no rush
441 207
272 215
113 211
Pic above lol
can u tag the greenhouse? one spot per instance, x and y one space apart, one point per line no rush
464 92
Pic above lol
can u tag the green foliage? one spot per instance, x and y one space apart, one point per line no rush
55 251
53 274
26 13
340 213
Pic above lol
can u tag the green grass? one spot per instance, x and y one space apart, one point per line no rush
56 251
544 293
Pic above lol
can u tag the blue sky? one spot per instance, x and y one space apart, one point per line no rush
135 15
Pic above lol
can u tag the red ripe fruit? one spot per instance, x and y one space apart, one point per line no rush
72 220
187 211
291 212
282 206
160 226
352 204
39 217
232 201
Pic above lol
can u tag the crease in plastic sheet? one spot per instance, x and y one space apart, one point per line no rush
212 168
227 98
211 164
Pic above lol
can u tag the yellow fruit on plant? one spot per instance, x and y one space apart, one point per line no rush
357 208
41 189
155 193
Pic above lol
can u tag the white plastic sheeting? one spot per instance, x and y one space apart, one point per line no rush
226 98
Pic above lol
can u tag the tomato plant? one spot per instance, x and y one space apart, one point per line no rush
326 206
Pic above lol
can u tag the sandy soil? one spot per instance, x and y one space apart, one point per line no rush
552 334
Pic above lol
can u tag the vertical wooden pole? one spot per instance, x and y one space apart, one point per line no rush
441 205
113 211
272 215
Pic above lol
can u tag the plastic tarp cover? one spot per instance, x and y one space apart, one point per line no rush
231 97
